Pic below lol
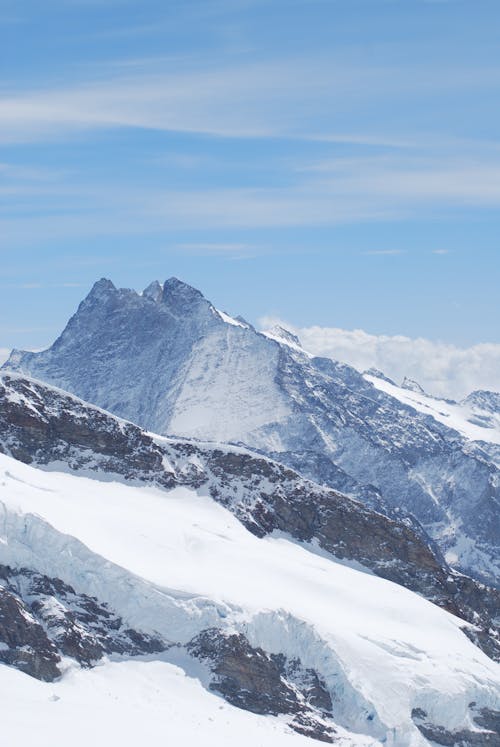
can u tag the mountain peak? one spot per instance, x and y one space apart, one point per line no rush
175 285
285 335
412 385
153 291
102 287
181 296
484 400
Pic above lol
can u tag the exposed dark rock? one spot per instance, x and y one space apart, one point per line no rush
42 425
247 677
24 643
259 682
42 619
489 736
486 718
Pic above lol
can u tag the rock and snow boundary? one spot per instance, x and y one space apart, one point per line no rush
177 564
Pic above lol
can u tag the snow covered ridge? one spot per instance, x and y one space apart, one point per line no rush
47 427
167 360
477 417
335 653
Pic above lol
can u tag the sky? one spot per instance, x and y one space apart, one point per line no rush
333 163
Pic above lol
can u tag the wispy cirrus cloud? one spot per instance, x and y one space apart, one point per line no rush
369 192
271 99
453 178
274 98
227 102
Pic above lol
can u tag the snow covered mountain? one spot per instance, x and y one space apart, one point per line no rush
169 361
44 426
177 586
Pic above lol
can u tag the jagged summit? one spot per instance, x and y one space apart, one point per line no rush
172 290
180 296
101 288
153 291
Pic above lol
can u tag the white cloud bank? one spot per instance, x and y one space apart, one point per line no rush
443 370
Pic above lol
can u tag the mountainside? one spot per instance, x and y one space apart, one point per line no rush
43 426
167 360
154 589
477 417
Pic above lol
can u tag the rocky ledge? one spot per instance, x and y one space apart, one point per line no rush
485 734
43 620
267 684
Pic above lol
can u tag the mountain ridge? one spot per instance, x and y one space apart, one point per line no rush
51 429
176 365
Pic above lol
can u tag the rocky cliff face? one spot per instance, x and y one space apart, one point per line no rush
167 360
43 620
487 736
264 683
43 426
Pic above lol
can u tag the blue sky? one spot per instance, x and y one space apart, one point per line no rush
330 162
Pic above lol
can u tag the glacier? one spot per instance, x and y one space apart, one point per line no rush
177 563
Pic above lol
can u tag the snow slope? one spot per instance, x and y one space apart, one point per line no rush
179 562
470 421
123 704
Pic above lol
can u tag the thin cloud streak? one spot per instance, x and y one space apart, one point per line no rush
452 180
269 99
112 209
